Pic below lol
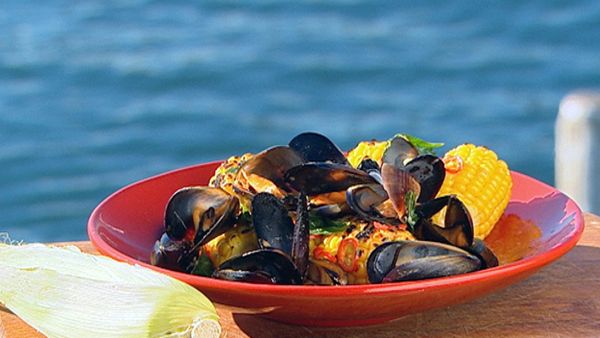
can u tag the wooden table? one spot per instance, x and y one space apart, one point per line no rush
562 300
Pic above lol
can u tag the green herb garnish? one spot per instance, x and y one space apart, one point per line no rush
424 147
203 266
323 226
410 202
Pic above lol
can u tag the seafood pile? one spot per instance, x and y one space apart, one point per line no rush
307 213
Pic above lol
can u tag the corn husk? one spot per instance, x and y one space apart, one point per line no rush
63 292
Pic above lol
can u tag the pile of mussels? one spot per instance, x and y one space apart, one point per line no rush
312 165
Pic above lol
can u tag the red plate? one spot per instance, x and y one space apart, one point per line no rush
127 223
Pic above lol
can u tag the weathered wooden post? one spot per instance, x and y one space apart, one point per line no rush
577 158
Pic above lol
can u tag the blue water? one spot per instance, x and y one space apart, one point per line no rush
95 95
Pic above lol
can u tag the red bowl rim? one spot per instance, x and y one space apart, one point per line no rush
531 263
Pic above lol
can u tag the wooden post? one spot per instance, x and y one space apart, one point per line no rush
577 146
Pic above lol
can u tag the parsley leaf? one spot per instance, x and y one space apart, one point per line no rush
323 226
203 266
410 200
424 147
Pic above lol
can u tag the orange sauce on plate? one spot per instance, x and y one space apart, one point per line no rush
513 238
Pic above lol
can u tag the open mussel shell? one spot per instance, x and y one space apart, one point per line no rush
364 199
171 254
430 172
399 152
300 246
200 214
398 183
457 229
372 168
320 178
314 147
330 205
322 272
272 164
265 266
481 250
272 223
368 165
415 260
276 230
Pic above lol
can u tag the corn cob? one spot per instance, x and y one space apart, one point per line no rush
371 149
481 181
366 236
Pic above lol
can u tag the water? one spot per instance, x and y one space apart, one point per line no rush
95 95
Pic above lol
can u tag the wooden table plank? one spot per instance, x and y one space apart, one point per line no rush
562 300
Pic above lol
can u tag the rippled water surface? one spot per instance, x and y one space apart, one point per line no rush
95 95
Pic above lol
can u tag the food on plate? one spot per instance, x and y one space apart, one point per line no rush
481 181
308 213
513 238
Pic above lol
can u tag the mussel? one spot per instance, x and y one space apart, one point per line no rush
300 238
314 147
487 256
323 272
413 260
317 178
265 172
282 184
172 254
364 200
427 169
403 171
264 266
272 223
283 254
457 229
386 202
326 183
372 168
199 214
399 152
430 172
398 183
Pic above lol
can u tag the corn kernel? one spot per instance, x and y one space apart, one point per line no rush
481 181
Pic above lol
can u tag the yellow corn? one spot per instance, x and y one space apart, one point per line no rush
371 149
368 237
481 181
231 244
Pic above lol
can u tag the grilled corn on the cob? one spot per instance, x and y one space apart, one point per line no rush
481 181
